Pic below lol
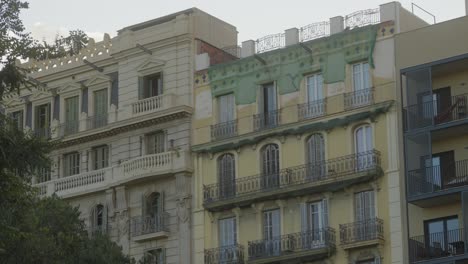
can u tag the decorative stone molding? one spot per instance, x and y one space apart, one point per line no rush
183 209
150 66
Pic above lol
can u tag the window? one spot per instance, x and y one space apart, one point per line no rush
154 256
100 157
270 166
314 220
17 118
156 143
361 80
154 205
226 108
71 115
71 164
272 232
99 219
227 175
364 206
314 88
227 239
42 120
315 157
363 147
268 111
43 175
443 235
100 108
152 86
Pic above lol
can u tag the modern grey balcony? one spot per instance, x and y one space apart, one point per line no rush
303 246
312 109
437 180
358 98
224 130
225 255
361 233
145 228
327 175
267 120
441 245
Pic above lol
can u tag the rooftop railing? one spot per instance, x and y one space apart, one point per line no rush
362 18
270 42
314 31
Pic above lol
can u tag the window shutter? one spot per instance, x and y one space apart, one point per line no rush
56 114
162 256
161 202
324 205
160 84
372 213
115 88
84 100
358 207
304 222
141 88
29 115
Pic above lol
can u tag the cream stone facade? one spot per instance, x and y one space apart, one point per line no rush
296 148
121 114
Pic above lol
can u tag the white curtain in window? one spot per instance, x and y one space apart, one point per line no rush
314 87
226 108
227 232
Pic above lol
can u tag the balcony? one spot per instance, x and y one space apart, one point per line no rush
153 104
145 228
362 233
131 170
266 120
311 109
224 130
329 175
358 98
428 113
68 128
225 255
96 121
437 245
435 181
302 247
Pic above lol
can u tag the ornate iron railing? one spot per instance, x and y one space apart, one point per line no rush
224 130
437 178
142 225
427 113
233 50
359 98
69 128
437 245
288 244
362 18
370 229
43 132
326 171
270 42
96 121
314 31
312 109
225 255
266 120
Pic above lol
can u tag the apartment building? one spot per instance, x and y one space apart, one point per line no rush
296 149
120 112
433 65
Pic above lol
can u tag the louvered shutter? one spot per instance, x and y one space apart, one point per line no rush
324 205
304 217
162 256
141 88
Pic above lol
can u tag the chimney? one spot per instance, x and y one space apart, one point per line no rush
336 25
248 48
291 36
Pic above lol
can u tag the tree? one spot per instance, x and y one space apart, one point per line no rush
16 43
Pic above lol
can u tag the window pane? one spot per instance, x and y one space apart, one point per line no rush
226 108
366 76
357 77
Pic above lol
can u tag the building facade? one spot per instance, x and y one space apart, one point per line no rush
295 146
120 112
435 136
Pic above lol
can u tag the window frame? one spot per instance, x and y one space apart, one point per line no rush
361 76
68 171
147 90
94 157
151 150
307 86
220 106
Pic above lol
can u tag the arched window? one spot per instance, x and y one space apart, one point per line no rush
227 175
315 157
153 207
270 166
363 147
99 219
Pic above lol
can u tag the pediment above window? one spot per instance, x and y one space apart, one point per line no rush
38 94
69 87
150 66
98 80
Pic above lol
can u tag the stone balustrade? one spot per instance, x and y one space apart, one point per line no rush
148 165
152 104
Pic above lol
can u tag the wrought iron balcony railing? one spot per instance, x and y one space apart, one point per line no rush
96 121
43 132
314 31
362 18
225 255
358 98
437 178
69 128
437 245
291 243
270 42
267 120
312 109
224 130
327 171
142 225
370 229
429 113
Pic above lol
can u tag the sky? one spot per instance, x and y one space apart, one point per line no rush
252 18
